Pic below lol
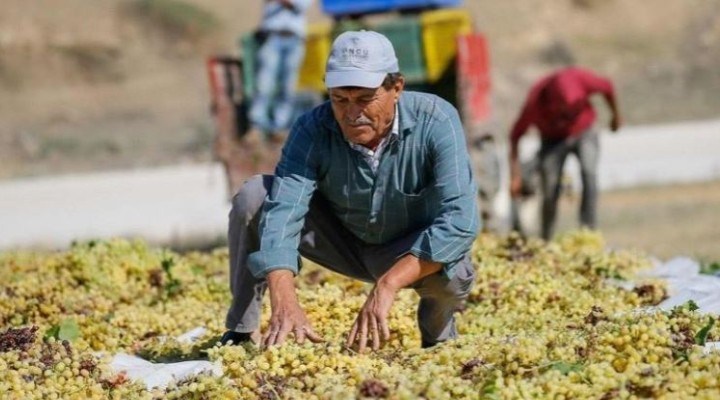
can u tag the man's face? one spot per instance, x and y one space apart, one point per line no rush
365 115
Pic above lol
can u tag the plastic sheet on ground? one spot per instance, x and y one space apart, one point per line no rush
677 267
160 375
711 346
685 282
191 335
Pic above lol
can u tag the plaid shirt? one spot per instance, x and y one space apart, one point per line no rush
424 182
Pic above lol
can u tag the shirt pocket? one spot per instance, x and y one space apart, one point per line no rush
412 192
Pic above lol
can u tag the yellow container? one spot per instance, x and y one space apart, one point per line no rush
317 49
440 29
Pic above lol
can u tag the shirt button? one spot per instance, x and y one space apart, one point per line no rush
371 153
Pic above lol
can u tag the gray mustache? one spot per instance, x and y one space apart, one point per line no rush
361 120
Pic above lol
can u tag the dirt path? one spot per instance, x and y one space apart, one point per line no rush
666 221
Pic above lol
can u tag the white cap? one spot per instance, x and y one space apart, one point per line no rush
360 59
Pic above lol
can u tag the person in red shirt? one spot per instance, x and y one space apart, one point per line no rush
558 105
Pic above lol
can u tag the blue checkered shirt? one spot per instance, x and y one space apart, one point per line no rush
424 182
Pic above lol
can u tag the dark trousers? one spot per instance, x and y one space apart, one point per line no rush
326 242
552 156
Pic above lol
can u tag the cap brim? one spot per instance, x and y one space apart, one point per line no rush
362 79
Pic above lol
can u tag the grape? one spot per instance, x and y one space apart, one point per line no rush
543 320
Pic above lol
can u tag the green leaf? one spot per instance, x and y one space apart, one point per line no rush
566 368
701 336
173 287
692 305
52 332
681 355
65 330
197 270
69 330
710 268
167 264
490 391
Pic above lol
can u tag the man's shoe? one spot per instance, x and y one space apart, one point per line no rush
232 338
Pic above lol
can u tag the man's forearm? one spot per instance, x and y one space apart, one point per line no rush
514 159
406 271
612 104
616 119
281 284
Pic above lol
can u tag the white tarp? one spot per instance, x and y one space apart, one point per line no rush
155 375
685 282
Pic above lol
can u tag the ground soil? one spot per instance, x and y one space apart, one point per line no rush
664 221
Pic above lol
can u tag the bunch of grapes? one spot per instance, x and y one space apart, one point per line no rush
543 320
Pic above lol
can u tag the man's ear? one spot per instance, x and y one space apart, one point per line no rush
399 85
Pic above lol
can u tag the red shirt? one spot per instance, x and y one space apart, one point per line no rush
559 104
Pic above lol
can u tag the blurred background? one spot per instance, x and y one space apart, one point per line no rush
121 86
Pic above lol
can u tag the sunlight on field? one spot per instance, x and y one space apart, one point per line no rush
542 320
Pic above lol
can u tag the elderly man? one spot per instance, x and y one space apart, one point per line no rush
375 184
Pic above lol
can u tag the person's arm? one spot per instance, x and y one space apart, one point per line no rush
371 322
287 315
598 84
281 222
522 124
616 118
451 233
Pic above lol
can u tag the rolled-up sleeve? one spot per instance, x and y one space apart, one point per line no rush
284 209
453 231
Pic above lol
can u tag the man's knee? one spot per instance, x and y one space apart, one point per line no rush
439 287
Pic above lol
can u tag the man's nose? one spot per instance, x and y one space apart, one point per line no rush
354 111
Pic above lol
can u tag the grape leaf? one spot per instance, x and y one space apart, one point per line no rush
566 368
701 336
65 330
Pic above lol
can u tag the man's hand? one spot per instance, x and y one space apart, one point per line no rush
287 315
515 186
515 175
615 123
372 319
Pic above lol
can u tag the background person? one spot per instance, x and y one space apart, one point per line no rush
375 184
282 48
559 106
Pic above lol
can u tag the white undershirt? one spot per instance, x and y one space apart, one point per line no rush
372 157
